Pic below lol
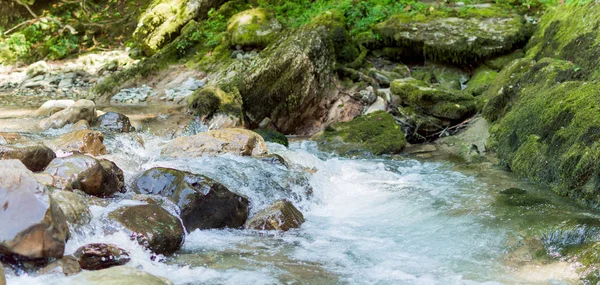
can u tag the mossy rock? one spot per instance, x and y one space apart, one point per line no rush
481 81
163 20
335 24
457 37
546 127
571 33
443 104
273 136
253 28
441 75
519 198
210 100
498 63
376 133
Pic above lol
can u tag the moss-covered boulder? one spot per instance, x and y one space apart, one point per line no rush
253 28
481 80
376 133
499 62
441 75
273 136
345 49
290 79
212 101
443 104
163 20
459 38
546 126
570 32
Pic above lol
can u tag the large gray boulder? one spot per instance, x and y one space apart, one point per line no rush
33 225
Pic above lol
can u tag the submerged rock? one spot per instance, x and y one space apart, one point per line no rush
82 141
204 203
118 275
94 177
376 133
41 230
81 110
253 28
281 216
34 157
152 226
480 34
115 122
96 256
235 141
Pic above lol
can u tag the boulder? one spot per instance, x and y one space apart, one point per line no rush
152 226
290 80
37 68
75 207
53 182
273 136
419 127
52 106
33 224
253 28
118 275
379 105
94 177
469 144
281 216
481 81
96 256
163 20
443 104
34 157
81 110
442 76
376 133
115 122
212 102
459 38
204 203
67 265
83 141
235 141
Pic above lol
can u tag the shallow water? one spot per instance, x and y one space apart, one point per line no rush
369 221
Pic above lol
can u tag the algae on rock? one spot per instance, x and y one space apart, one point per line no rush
253 28
376 133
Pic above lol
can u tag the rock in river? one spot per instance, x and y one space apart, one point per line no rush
33 225
34 157
115 122
96 256
82 141
118 275
204 203
235 141
95 177
281 216
81 110
152 226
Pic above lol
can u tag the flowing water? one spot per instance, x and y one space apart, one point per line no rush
368 221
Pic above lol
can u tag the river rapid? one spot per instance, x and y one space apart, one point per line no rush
369 220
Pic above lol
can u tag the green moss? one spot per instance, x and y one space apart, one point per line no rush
210 100
570 32
445 104
498 63
272 136
376 133
547 129
519 198
480 81
253 28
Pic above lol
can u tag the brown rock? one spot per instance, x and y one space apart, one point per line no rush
98 256
281 216
33 225
53 182
34 157
94 177
9 138
67 265
235 141
152 226
81 110
83 141
81 125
